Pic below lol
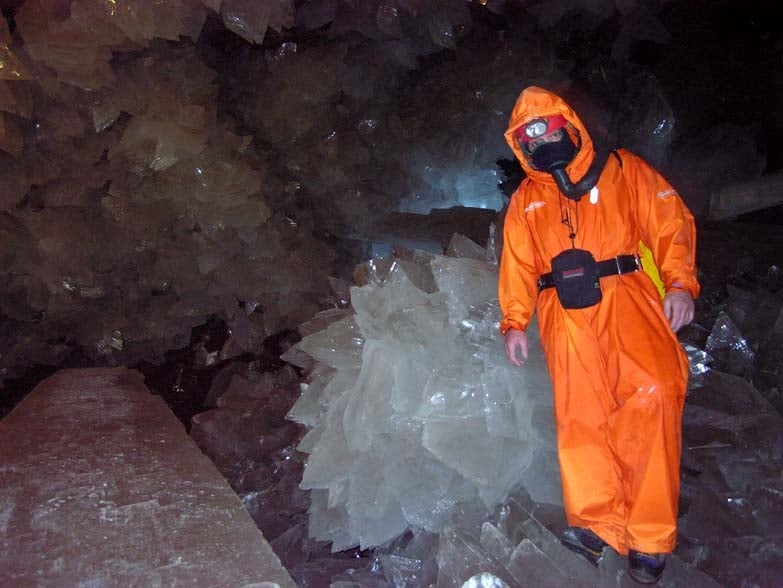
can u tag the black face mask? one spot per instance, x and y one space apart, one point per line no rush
556 155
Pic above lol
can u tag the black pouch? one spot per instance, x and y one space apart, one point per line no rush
575 274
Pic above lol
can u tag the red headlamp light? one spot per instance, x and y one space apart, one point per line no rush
539 127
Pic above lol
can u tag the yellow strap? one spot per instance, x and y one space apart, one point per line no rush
649 267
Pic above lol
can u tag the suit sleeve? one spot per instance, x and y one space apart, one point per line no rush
517 280
666 224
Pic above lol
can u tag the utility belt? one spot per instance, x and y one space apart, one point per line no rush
575 275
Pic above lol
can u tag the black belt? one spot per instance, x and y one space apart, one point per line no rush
622 264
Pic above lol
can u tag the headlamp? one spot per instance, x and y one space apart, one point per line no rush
538 127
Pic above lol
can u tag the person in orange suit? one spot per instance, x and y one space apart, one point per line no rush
571 241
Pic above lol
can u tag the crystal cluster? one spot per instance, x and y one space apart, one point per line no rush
164 162
135 207
149 181
415 415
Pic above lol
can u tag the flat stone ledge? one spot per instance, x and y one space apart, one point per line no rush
100 485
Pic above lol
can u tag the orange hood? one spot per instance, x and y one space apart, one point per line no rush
535 102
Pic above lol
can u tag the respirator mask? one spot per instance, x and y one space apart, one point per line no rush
549 147
547 144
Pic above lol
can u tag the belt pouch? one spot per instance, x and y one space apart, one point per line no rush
575 274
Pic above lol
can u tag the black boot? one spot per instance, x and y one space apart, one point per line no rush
584 542
646 568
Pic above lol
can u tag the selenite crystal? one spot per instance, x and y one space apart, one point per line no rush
415 411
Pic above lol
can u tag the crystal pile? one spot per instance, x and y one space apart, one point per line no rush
414 413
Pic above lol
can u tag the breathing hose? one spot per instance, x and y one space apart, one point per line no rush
583 186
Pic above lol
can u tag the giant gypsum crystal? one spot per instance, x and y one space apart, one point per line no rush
416 416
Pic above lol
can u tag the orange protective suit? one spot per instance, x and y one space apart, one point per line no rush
618 371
